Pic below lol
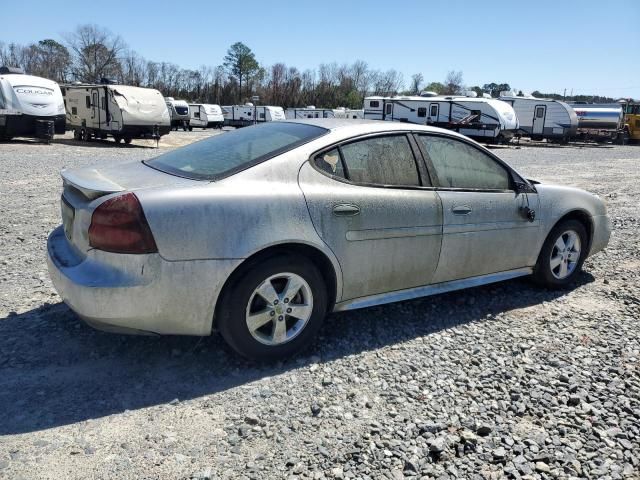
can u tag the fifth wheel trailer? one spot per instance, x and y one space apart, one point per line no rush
542 118
29 106
481 118
119 111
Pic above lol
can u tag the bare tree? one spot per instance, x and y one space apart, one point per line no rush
416 83
96 52
453 83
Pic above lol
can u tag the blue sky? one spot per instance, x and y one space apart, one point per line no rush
589 46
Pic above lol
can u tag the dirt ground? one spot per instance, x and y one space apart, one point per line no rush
503 381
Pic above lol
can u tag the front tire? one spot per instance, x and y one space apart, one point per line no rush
273 309
562 255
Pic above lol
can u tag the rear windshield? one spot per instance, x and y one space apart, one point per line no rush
231 152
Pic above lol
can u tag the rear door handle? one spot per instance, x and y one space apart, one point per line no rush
346 210
461 210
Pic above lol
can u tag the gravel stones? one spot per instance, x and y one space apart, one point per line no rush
502 381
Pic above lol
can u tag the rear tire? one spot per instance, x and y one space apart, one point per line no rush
127 140
562 255
262 328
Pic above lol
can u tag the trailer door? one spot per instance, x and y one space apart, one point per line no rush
539 114
434 112
95 108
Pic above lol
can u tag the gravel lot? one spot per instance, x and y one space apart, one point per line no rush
503 381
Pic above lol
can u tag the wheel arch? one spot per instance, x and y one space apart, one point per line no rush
328 268
581 216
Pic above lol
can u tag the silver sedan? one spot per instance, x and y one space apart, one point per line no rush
259 232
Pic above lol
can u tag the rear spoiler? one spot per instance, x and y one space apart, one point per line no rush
90 182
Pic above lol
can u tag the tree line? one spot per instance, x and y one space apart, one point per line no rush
91 53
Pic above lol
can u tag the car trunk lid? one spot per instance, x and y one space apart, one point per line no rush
83 187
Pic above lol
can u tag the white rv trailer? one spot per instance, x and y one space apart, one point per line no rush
308 112
543 118
249 114
343 112
179 113
205 116
120 111
480 118
29 106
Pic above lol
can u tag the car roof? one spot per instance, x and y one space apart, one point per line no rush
352 126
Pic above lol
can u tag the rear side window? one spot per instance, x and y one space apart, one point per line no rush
230 152
459 165
384 160
330 163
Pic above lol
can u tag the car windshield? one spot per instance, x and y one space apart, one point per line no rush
231 152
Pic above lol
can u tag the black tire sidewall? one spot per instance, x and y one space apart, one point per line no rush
542 273
231 314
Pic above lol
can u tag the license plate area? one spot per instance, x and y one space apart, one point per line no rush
68 214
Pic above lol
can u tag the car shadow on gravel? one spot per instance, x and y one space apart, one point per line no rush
55 370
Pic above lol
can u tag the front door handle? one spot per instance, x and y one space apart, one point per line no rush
346 210
461 210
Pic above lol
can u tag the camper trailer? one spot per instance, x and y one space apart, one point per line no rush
119 111
343 112
479 118
29 106
599 122
308 112
249 114
205 116
541 118
179 113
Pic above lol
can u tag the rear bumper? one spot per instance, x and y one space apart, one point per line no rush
601 233
137 293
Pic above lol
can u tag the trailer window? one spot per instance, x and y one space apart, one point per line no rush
434 111
74 111
389 108
88 101
422 111
223 155
539 112
374 104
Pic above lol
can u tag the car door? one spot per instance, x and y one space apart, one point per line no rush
373 205
487 227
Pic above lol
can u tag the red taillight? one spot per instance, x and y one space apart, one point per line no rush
119 225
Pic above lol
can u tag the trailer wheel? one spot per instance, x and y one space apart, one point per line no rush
77 134
127 140
117 138
86 135
190 128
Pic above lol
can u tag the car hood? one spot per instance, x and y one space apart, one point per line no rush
95 182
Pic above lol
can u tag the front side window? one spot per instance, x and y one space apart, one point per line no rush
384 160
460 165
223 155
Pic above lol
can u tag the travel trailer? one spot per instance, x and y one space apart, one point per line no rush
29 106
599 122
480 118
343 112
204 115
120 111
308 112
249 114
179 113
542 118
